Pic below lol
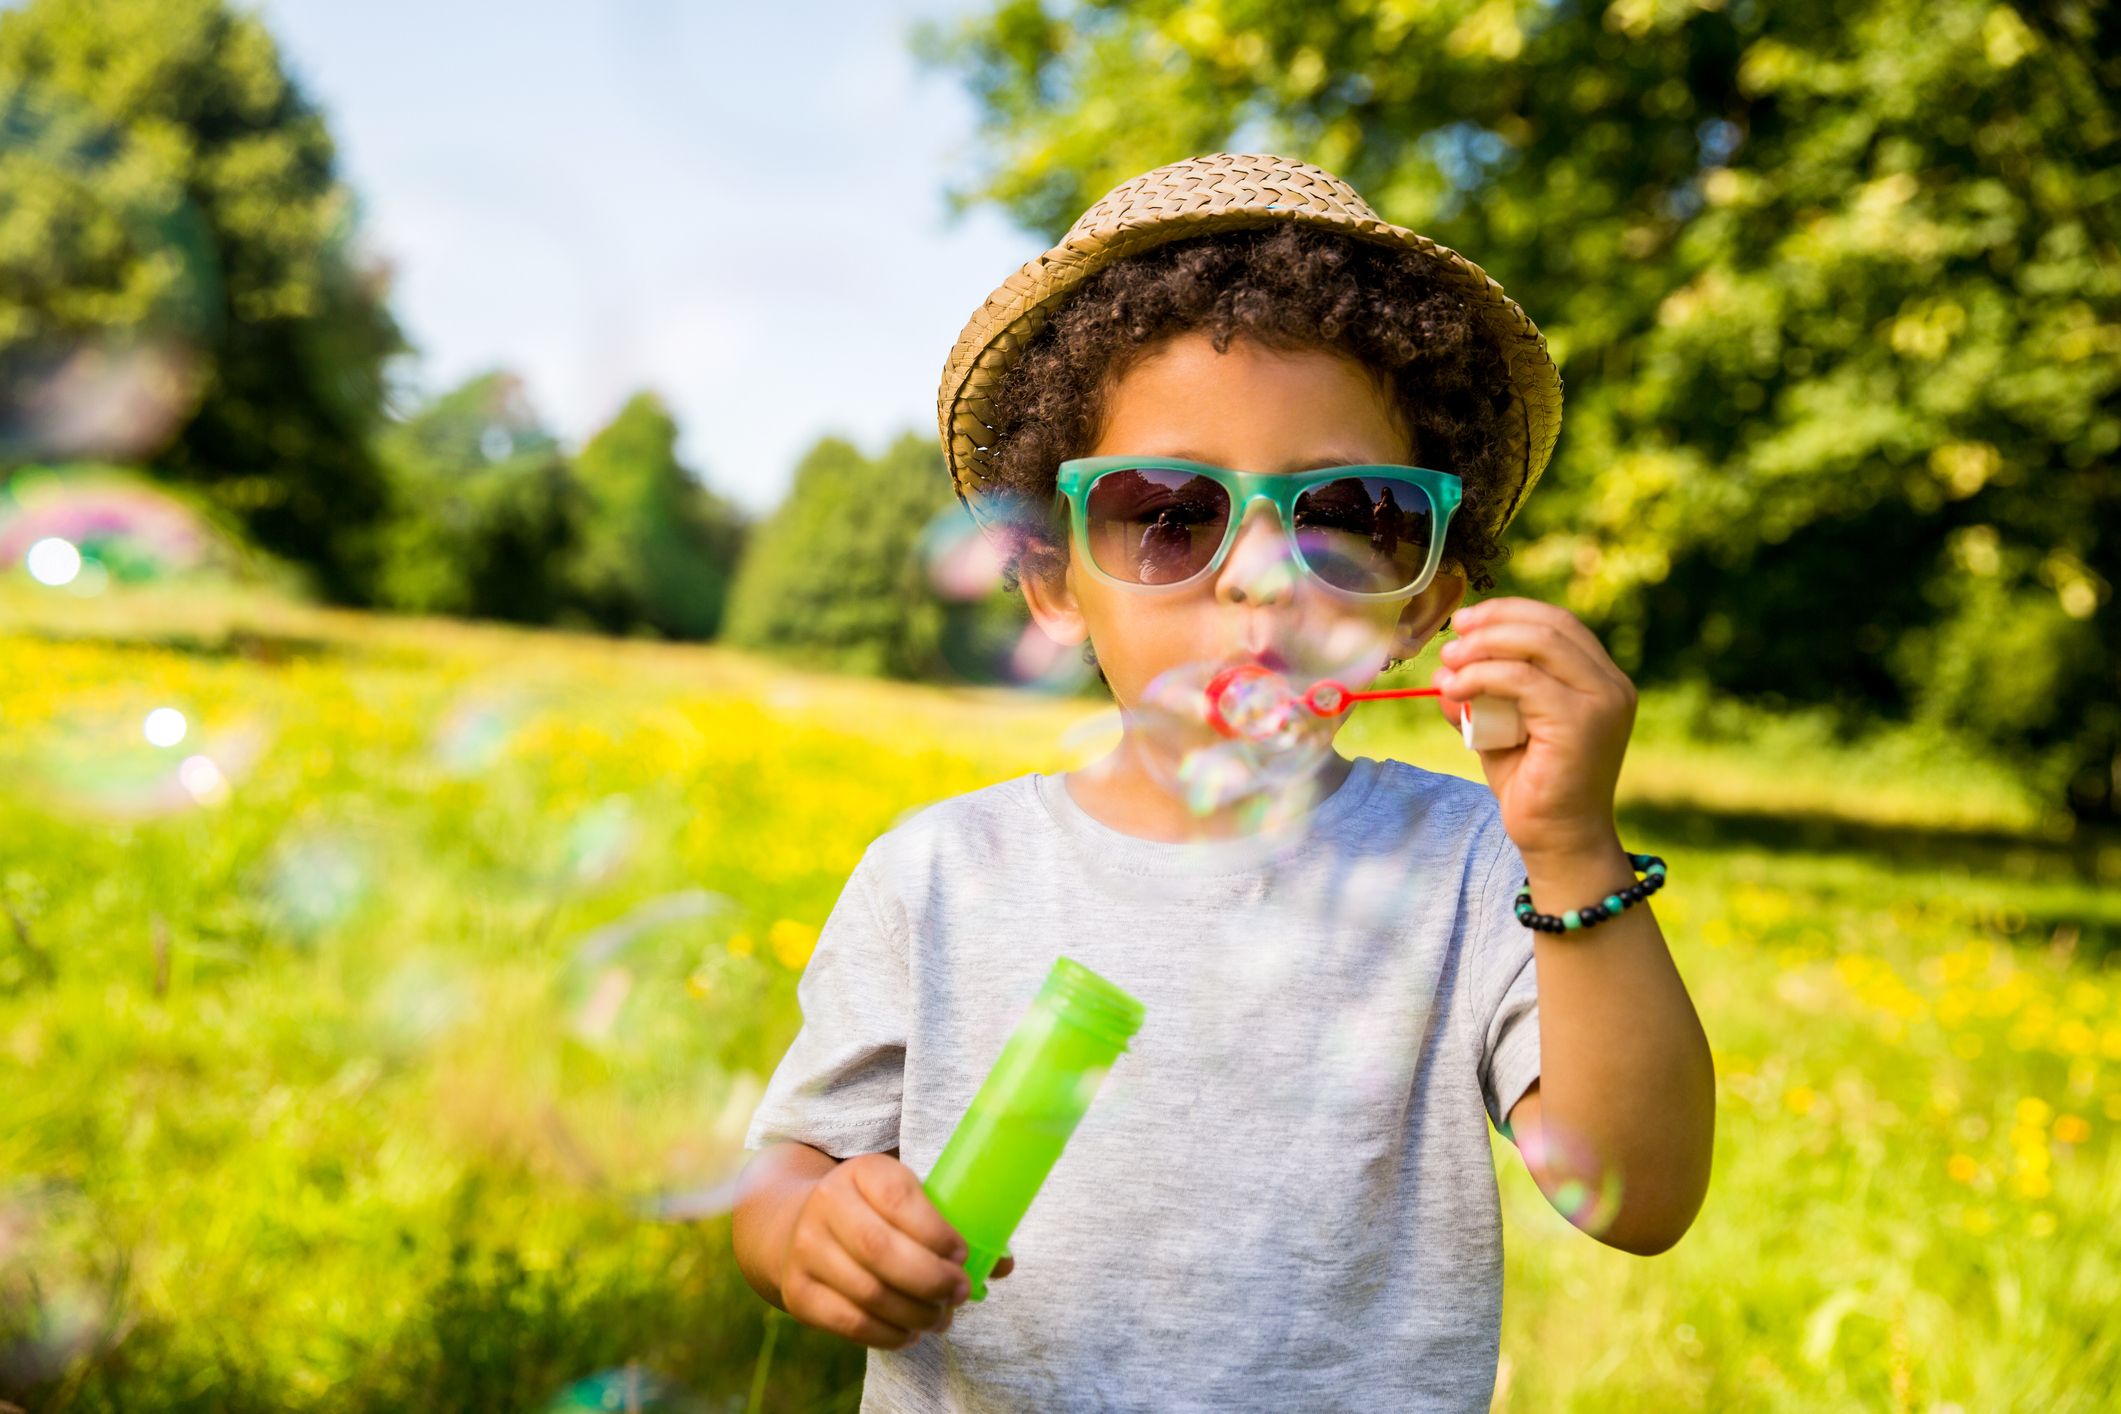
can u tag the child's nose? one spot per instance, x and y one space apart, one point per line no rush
1260 569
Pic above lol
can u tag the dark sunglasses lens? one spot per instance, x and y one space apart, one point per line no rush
1366 534
1151 525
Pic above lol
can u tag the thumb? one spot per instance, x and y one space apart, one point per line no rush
1002 1268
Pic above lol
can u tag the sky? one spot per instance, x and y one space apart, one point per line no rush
738 206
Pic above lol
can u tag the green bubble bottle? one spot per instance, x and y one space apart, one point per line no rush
1049 1070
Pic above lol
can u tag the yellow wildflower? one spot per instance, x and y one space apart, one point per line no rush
792 942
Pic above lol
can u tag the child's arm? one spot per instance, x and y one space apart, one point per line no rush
1625 1074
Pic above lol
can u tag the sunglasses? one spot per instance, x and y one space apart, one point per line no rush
1366 533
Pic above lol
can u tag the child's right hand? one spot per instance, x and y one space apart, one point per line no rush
871 1259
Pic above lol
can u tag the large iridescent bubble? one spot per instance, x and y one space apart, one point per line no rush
639 1108
81 530
62 1287
135 761
983 634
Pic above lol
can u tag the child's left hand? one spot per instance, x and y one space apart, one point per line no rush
1556 787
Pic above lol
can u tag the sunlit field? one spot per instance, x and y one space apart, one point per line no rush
398 1056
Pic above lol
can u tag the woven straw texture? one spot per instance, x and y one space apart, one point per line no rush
1218 192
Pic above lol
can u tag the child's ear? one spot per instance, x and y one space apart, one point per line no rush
1051 598
1425 613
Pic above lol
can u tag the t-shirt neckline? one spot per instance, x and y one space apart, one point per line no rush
1202 858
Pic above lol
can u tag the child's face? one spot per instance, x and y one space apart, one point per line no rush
1250 409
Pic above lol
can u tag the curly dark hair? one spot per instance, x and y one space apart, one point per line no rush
1289 287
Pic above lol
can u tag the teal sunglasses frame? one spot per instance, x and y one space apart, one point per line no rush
1279 489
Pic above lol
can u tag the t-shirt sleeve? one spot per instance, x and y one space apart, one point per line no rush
1505 985
839 1086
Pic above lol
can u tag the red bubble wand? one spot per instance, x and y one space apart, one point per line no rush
1488 723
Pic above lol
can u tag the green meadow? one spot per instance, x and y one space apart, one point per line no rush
398 1057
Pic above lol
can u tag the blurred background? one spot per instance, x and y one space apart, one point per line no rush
476 570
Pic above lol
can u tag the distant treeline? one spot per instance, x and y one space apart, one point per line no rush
179 290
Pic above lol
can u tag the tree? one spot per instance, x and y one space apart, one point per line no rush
658 548
834 574
206 132
1835 289
484 514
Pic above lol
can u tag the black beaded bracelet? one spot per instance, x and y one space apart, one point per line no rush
1647 865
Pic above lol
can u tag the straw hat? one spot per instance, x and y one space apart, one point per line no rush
1222 191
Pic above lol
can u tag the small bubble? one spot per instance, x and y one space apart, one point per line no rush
600 840
476 731
314 880
203 779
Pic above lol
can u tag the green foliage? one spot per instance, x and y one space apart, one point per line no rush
834 575
211 140
1836 291
306 1168
484 511
659 549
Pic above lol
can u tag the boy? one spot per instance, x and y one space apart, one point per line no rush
1284 1197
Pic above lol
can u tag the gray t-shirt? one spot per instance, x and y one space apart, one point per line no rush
1282 1197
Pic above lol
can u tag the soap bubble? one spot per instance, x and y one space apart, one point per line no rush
639 1107
986 635
630 1389
963 565
315 879
116 292
121 763
599 841
419 1001
1093 737
1576 1187
1266 741
62 1287
477 729
79 529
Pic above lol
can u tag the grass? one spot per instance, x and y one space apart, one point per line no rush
322 1094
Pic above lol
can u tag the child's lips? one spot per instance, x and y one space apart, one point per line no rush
1266 658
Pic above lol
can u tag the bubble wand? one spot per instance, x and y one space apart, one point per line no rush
1487 723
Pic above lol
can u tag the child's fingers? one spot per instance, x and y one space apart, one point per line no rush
1543 644
1536 692
895 1191
892 1255
849 1274
1002 1268
1516 609
817 1304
